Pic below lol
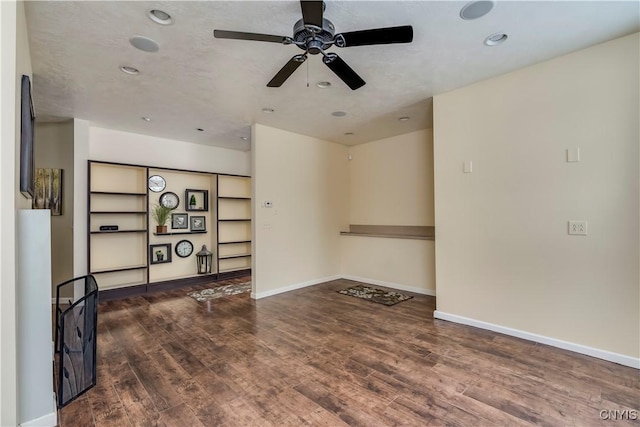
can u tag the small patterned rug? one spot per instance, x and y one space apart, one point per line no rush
221 291
375 295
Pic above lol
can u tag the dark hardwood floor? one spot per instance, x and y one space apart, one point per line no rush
316 357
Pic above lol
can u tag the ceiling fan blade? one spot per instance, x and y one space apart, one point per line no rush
286 71
238 35
342 70
312 12
403 34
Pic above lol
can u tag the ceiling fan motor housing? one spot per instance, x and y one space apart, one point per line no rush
313 39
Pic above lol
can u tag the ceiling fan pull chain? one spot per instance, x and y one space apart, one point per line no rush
307 73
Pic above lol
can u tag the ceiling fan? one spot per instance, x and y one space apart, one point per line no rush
314 34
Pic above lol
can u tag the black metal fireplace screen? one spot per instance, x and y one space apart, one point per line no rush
75 338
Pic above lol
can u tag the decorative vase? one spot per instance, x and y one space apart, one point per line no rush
161 229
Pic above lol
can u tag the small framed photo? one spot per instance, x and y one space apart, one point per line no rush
198 223
196 200
179 221
159 254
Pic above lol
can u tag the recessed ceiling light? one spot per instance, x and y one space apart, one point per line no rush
144 43
268 110
338 114
160 17
129 70
244 138
146 119
323 85
404 118
495 39
476 9
200 130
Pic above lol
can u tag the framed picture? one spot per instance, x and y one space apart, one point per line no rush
198 223
179 221
159 254
196 200
27 129
48 190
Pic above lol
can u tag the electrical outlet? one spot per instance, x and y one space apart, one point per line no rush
578 228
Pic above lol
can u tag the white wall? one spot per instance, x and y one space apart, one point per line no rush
296 242
15 61
391 183
124 147
504 256
80 202
54 149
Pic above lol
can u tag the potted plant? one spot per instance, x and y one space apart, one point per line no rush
159 255
161 215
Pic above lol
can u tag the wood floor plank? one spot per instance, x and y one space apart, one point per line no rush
315 357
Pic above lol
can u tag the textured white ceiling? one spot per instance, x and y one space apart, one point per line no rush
197 81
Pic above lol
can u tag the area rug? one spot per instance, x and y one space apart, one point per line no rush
221 291
375 295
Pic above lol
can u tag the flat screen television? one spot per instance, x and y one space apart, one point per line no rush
27 131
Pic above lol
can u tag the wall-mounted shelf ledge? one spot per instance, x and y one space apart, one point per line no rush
234 241
234 198
234 219
415 232
180 232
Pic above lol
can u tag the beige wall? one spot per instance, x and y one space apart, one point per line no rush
503 252
296 242
54 149
125 147
391 180
391 183
110 145
15 61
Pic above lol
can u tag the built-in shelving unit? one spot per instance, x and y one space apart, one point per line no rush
234 223
212 210
117 196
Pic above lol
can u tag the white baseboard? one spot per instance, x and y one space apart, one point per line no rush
47 420
293 287
398 286
578 348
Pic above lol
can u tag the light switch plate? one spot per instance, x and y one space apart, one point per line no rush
573 155
468 166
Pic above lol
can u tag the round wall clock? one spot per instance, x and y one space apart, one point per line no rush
156 183
184 248
169 200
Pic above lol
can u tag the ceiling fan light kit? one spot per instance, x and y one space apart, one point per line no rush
315 34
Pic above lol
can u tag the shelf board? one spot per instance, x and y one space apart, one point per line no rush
228 270
112 193
114 270
234 197
180 232
118 212
235 219
234 241
118 231
234 256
